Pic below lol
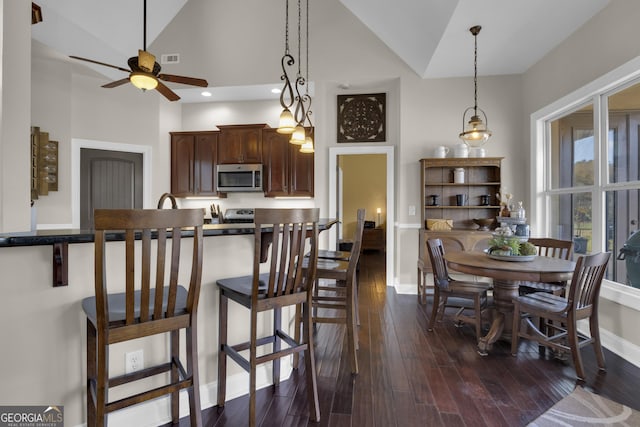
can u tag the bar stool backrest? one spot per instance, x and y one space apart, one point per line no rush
151 296
290 231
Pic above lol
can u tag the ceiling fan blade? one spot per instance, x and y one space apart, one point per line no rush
184 80
100 63
146 60
168 93
116 83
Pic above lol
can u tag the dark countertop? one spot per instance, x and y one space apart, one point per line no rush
50 237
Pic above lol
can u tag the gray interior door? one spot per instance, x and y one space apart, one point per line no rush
108 179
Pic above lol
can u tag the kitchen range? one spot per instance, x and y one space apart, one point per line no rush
238 216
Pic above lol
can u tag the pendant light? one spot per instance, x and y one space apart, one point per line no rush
287 123
307 146
300 115
474 130
294 123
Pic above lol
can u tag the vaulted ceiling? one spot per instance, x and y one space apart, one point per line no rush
430 36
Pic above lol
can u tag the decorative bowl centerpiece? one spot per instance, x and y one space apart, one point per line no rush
484 224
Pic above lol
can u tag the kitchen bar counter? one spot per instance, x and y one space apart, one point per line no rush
60 240
51 237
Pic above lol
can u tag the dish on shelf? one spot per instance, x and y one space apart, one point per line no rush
484 223
513 258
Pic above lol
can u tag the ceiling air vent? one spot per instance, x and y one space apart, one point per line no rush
170 58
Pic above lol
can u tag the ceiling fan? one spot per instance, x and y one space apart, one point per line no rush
144 71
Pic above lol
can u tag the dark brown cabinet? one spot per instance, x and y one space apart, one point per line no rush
240 144
373 239
287 171
193 162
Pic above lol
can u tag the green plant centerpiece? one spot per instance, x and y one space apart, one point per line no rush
505 245
527 248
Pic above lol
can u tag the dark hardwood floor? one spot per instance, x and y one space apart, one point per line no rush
411 377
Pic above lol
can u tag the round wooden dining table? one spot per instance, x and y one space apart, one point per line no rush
506 275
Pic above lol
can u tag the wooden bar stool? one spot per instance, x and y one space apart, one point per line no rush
285 283
149 306
342 295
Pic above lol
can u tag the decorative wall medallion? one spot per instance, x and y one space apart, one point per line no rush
362 118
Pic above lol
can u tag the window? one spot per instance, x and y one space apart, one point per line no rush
592 193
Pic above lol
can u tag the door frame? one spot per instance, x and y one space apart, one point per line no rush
334 192
78 144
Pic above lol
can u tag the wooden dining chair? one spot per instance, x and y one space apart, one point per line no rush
335 299
560 330
153 302
285 283
463 295
450 243
554 248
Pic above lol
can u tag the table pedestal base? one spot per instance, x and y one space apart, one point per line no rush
502 315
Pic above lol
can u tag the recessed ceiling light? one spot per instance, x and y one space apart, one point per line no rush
206 93
276 90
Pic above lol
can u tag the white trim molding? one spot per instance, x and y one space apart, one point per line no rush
388 150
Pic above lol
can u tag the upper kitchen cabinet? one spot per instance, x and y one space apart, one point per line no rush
240 144
287 171
193 162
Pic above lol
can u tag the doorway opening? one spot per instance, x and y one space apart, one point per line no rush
387 205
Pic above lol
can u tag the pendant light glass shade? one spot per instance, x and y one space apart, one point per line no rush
307 147
474 130
287 123
143 81
298 136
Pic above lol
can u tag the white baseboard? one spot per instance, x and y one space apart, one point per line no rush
158 412
623 348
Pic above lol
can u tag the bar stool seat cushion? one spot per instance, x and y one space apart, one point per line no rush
117 304
242 284
340 255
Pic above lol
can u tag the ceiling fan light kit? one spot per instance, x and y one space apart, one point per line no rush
143 81
474 130
144 71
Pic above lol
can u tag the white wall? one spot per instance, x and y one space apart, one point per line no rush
15 141
603 44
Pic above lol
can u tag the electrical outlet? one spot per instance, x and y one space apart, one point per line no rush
133 361
412 210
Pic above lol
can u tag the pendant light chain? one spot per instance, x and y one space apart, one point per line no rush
307 96
475 73
299 43
286 28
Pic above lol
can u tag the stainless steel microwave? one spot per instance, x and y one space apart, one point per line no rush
239 177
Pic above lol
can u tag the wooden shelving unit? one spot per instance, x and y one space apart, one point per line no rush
482 177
